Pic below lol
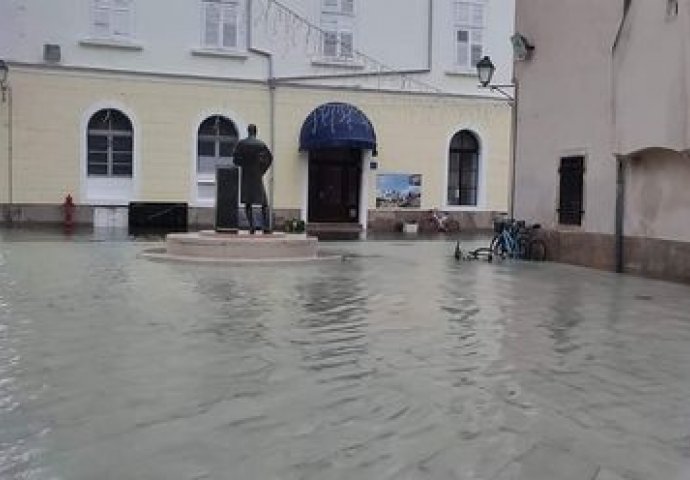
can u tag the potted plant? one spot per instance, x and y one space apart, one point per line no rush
295 225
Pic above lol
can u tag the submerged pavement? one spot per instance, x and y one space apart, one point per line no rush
397 363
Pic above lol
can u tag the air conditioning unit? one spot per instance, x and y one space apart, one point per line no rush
51 53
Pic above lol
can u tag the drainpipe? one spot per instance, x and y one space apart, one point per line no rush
620 212
513 144
430 39
10 153
272 140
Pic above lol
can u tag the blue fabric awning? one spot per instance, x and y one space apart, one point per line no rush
337 125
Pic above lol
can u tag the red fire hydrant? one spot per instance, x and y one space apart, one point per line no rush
68 209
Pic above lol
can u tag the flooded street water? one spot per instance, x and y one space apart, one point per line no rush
396 363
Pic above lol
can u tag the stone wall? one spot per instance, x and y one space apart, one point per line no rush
647 257
392 220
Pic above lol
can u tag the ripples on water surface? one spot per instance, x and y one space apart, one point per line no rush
396 363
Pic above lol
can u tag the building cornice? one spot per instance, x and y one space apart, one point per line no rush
278 82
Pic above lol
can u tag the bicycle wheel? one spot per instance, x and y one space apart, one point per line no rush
485 252
452 226
497 246
537 250
521 247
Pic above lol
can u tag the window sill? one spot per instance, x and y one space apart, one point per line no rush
338 13
463 208
461 72
219 53
567 227
337 63
111 43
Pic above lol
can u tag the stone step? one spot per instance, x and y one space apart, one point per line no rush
333 227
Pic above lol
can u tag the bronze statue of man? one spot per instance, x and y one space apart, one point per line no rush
254 158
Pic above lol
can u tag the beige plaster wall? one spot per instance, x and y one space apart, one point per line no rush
4 140
650 78
51 109
657 196
413 134
564 107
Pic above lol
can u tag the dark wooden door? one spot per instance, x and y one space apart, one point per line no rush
334 185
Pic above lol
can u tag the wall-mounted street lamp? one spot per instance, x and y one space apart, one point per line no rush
485 72
4 69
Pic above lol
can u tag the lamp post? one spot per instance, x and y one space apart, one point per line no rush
485 72
4 69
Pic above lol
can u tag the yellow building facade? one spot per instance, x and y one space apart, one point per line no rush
43 142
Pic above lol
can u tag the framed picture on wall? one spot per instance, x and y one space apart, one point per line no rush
398 190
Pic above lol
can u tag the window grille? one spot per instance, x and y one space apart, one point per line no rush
110 144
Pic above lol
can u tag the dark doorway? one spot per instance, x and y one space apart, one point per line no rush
334 184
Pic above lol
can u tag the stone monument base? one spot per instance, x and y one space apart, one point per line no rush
209 246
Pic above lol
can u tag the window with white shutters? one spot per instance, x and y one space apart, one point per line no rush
469 33
221 24
337 23
112 19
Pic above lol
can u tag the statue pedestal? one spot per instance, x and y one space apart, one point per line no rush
209 246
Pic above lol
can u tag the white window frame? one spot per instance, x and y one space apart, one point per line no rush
209 178
476 32
110 135
98 190
337 18
107 11
340 7
227 8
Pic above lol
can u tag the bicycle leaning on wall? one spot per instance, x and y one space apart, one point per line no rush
435 221
515 239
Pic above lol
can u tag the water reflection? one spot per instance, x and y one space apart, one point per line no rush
334 325
18 432
397 363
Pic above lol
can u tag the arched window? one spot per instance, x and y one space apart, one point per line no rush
109 144
463 169
216 140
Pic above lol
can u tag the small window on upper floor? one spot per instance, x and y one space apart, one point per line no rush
343 7
337 23
221 24
112 19
468 33
671 8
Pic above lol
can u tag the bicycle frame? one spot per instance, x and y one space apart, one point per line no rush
510 242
